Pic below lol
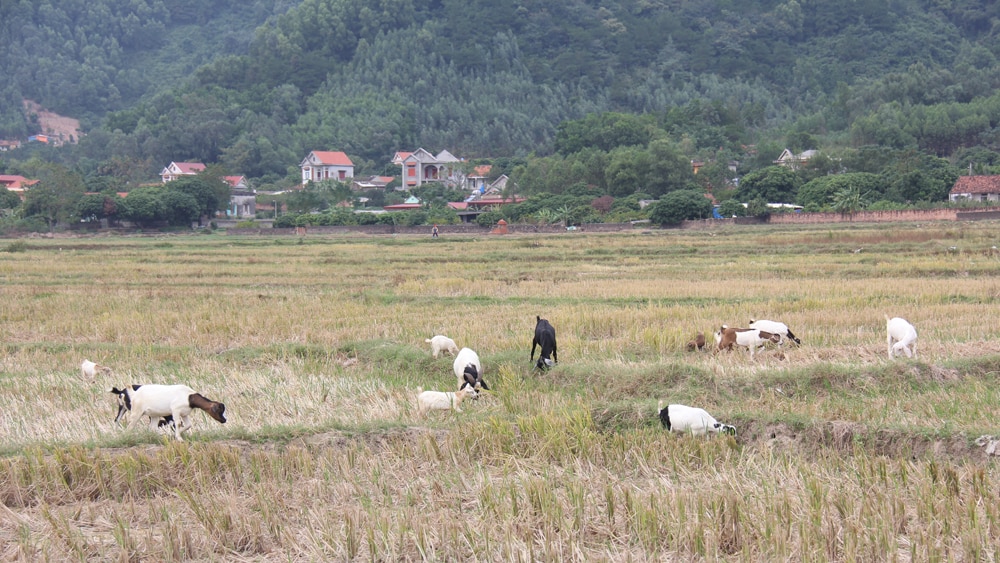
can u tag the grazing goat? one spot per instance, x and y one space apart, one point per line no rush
545 337
469 370
89 370
775 327
693 420
125 405
158 401
440 343
698 343
751 338
442 400
903 334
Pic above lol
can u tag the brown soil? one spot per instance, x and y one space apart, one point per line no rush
64 129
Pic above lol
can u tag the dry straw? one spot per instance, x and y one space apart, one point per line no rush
317 349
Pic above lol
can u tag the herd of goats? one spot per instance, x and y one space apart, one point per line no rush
170 406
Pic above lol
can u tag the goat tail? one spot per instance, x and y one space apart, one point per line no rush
887 319
420 390
538 318
427 340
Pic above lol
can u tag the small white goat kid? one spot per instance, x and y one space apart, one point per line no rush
692 420
89 369
442 400
900 336
469 370
440 343
161 401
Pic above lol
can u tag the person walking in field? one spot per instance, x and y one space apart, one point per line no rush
434 232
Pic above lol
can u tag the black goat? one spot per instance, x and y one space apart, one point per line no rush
545 337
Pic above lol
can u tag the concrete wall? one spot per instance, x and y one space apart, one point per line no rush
443 230
992 213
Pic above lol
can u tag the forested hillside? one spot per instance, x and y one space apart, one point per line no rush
254 86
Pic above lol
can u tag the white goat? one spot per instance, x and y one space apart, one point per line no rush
89 370
693 420
441 343
903 334
469 370
160 401
442 400
775 327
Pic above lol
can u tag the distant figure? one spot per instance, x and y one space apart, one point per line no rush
434 232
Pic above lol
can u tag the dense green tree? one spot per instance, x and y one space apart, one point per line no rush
144 206
732 208
210 192
179 208
774 184
818 194
55 197
680 205
9 199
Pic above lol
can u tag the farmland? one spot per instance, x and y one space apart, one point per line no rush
316 345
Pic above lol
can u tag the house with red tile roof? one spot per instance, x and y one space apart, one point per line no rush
175 170
16 184
976 188
326 165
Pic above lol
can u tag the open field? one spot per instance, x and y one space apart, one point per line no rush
316 346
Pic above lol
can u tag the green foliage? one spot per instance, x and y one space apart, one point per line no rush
9 199
144 206
489 219
774 184
818 194
679 206
619 98
606 131
16 246
55 197
732 208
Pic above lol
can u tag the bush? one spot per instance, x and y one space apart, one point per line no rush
732 208
489 219
680 205
246 225
17 246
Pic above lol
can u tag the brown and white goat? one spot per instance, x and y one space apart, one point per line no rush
698 343
161 401
89 370
726 338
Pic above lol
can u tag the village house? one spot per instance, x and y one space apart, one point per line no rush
794 161
372 183
16 184
242 198
326 165
420 167
175 170
976 188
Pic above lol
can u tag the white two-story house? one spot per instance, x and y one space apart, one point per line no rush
326 165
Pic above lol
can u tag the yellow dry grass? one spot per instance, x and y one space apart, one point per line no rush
317 346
